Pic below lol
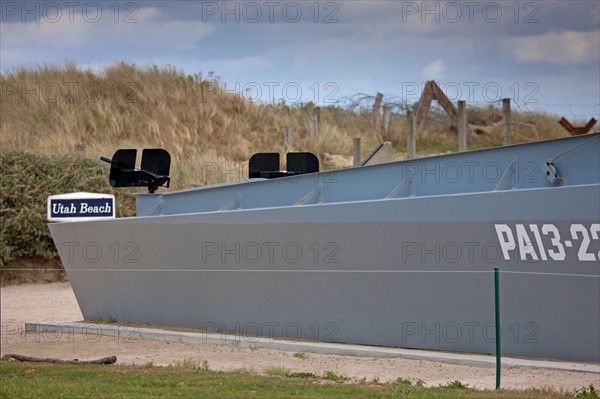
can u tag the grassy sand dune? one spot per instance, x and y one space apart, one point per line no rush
210 132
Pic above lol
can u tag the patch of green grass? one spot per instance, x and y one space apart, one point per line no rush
406 382
204 366
300 355
302 374
589 392
405 387
456 384
278 371
333 376
32 380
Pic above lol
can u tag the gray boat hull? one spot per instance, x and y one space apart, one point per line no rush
413 272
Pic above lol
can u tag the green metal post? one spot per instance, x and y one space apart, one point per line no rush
497 300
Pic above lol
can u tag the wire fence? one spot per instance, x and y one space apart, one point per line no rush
332 271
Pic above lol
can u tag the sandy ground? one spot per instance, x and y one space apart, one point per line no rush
56 302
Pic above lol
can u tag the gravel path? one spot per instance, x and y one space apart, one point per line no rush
56 302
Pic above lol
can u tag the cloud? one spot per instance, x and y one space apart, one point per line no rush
434 70
386 18
102 40
560 48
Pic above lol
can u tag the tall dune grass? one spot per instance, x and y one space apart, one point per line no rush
210 133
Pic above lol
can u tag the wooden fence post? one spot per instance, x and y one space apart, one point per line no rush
411 144
506 124
462 126
376 116
387 115
287 139
315 119
356 143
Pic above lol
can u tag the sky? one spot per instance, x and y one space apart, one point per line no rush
541 54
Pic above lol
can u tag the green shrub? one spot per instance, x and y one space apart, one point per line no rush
302 374
27 179
333 376
589 392
456 384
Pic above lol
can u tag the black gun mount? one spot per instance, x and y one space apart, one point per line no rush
153 172
265 165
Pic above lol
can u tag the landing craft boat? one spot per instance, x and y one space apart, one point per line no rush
399 254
